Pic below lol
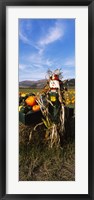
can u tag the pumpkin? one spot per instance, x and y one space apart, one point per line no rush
36 108
31 101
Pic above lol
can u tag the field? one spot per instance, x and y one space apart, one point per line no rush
38 162
28 90
69 95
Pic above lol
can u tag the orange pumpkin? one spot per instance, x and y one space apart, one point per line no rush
36 108
31 101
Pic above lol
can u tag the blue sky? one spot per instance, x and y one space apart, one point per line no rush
46 44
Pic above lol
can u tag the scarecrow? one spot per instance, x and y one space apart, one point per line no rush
52 107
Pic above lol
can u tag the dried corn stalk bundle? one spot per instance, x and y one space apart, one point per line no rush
52 110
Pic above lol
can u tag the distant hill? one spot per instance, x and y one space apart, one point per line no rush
42 83
33 84
69 82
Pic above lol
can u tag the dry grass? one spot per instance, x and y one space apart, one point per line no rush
28 90
38 162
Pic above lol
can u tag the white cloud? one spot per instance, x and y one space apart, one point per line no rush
23 38
22 66
41 50
48 62
28 25
68 74
36 67
27 41
53 34
35 73
23 28
38 60
32 73
70 62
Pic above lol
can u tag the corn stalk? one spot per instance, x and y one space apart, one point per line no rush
52 130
